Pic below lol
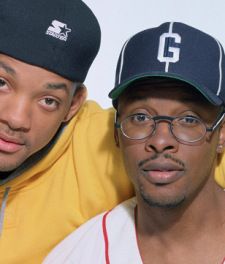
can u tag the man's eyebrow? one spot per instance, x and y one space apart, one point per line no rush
7 68
58 86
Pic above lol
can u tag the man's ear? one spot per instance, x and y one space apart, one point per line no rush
116 137
78 99
221 142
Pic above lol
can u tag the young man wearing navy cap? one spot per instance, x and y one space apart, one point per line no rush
56 152
169 99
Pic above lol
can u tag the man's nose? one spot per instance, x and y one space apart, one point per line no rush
162 139
16 113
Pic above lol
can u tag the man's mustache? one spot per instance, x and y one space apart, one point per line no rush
166 156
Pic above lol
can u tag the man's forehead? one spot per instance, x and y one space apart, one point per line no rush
175 91
162 87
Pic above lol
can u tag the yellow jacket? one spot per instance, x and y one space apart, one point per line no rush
81 176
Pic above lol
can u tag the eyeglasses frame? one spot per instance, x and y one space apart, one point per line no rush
170 119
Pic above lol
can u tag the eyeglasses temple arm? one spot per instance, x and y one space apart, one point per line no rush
211 129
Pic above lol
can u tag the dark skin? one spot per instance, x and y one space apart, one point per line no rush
180 212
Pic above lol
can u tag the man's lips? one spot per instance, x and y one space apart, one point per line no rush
160 173
10 144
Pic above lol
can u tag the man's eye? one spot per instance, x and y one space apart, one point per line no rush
49 103
189 120
2 82
139 118
3 85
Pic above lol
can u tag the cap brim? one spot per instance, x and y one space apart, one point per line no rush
115 93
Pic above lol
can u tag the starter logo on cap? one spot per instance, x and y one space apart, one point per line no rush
58 30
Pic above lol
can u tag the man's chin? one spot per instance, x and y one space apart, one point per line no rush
10 165
163 202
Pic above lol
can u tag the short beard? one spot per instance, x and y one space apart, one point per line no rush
163 204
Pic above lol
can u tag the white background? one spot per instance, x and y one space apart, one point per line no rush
120 19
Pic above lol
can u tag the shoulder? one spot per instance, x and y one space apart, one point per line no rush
89 115
94 120
87 243
78 244
92 109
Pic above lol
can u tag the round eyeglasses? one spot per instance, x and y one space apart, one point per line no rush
187 129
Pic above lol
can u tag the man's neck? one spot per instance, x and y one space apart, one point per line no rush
162 219
177 231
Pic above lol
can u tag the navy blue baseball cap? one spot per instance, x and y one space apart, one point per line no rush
177 51
62 36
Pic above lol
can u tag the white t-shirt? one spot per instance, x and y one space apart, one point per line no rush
109 238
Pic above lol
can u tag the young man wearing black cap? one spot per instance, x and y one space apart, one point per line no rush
56 157
169 127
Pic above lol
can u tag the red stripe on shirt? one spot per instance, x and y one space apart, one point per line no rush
105 235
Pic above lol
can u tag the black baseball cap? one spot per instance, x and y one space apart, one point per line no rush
177 51
62 36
